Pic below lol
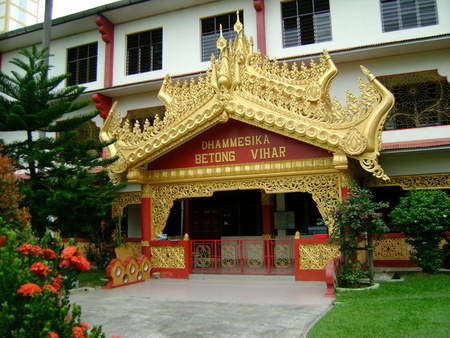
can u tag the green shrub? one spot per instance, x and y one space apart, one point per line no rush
356 216
424 217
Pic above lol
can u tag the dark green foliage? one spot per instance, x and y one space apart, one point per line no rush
424 217
67 189
355 216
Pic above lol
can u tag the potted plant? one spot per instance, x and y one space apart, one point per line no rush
355 218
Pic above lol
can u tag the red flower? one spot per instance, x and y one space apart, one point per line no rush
2 240
29 290
39 269
68 252
51 334
57 282
50 287
78 332
85 325
49 254
28 249
80 263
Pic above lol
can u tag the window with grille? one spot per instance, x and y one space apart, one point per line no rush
211 32
305 22
403 14
82 64
144 51
422 99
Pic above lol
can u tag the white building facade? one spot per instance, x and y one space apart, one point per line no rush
122 52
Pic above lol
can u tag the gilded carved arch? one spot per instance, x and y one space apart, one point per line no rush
242 85
324 189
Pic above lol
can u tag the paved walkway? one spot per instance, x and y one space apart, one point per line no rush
206 306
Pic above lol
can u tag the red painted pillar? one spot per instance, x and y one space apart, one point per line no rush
260 26
106 29
267 214
146 224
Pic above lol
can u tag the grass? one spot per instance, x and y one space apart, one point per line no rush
417 307
91 278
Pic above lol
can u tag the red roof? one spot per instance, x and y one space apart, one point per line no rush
417 144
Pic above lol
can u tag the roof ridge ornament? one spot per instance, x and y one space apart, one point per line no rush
292 100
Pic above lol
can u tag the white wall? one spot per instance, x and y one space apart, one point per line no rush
353 23
181 39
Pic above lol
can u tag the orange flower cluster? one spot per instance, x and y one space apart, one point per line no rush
30 249
29 290
39 269
72 256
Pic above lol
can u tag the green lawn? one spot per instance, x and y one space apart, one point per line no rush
91 278
417 307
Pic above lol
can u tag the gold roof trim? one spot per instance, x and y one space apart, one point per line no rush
289 100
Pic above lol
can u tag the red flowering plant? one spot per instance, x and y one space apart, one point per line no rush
35 279
354 219
35 275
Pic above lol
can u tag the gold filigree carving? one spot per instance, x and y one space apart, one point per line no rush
324 189
282 257
260 91
123 199
168 256
354 142
432 181
316 256
228 258
391 249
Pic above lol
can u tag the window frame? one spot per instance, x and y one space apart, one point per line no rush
146 46
78 75
413 14
213 34
315 22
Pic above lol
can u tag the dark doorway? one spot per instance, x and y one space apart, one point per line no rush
226 213
306 213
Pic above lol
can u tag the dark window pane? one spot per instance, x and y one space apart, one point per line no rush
82 64
141 57
306 22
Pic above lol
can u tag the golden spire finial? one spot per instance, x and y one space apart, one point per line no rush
221 42
238 25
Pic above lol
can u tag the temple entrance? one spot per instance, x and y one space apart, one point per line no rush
226 214
243 256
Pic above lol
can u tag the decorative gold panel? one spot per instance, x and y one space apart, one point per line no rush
316 256
168 256
432 181
203 256
391 249
282 256
242 85
136 247
228 256
255 256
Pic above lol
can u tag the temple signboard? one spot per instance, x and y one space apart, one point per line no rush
235 143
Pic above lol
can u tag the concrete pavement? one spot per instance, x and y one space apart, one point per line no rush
206 306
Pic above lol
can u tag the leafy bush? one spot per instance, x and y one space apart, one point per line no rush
424 217
352 219
35 275
35 279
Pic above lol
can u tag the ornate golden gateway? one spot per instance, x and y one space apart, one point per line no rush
242 85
